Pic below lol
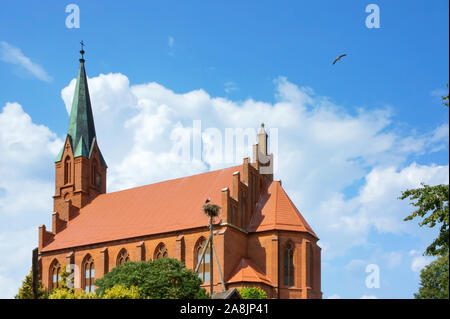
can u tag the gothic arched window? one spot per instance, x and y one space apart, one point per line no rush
203 270
161 251
123 257
89 274
55 276
288 261
67 170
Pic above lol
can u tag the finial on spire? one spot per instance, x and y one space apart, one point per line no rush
262 130
82 51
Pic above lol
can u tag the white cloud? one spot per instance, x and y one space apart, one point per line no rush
171 42
325 151
230 86
439 92
376 206
26 169
419 262
13 55
393 259
368 297
334 296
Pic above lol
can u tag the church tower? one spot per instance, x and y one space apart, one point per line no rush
80 170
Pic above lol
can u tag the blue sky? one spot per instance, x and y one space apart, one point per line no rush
381 105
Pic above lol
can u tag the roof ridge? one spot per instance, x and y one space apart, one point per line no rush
169 180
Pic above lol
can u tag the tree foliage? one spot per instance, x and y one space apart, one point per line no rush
432 207
121 292
70 293
445 98
165 278
26 291
66 280
65 288
434 280
116 292
252 293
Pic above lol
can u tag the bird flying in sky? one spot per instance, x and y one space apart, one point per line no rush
338 58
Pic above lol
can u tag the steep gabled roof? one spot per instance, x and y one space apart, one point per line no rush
152 209
275 210
247 271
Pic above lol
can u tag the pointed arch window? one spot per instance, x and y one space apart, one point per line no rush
89 274
203 270
161 251
123 257
55 274
288 261
67 169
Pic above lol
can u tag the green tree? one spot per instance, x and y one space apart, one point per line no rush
165 278
432 207
26 291
252 293
434 280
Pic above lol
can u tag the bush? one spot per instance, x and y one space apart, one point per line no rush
64 293
116 292
121 292
165 278
252 293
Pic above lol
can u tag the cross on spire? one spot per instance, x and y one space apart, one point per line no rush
82 50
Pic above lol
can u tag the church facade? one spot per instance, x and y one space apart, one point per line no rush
260 240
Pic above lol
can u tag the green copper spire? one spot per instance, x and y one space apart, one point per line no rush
81 130
81 123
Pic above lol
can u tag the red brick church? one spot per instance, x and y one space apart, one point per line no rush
261 238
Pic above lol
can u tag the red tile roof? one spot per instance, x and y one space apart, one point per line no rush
275 210
171 206
156 208
247 271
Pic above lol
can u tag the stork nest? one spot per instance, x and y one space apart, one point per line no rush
212 210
